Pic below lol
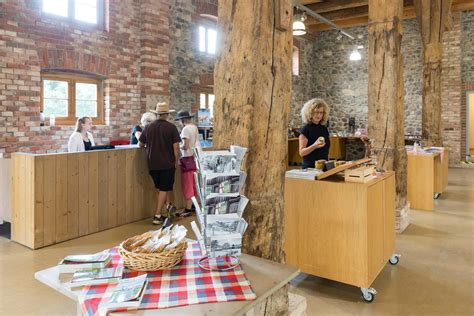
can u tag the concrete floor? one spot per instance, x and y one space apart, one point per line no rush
435 275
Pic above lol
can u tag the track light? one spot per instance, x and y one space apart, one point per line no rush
298 25
355 55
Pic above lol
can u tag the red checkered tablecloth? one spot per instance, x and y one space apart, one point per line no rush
184 284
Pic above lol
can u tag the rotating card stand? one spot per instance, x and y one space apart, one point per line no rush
219 181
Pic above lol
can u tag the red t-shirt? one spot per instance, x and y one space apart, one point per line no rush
159 137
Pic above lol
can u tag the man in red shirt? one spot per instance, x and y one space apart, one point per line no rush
161 139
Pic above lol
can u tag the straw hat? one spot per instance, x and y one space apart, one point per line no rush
162 108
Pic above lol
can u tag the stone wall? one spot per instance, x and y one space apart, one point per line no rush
343 83
187 64
302 84
131 52
468 46
467 66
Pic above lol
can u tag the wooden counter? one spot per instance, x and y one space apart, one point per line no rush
340 230
57 197
337 150
427 177
294 158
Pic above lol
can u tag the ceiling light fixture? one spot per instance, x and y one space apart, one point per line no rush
311 13
355 55
298 25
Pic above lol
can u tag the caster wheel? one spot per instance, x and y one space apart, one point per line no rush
394 259
369 297
368 294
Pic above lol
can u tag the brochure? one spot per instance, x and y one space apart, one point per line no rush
128 293
97 276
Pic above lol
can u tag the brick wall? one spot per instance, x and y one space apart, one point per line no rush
132 54
451 91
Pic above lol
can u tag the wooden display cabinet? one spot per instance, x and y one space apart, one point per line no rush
427 178
340 230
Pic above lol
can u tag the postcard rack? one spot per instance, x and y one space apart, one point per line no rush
220 207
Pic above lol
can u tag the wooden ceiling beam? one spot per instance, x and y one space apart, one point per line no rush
341 15
335 5
408 13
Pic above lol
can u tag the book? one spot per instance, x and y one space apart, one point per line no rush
307 174
76 263
128 293
97 276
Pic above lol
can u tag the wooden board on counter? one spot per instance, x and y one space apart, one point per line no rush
343 167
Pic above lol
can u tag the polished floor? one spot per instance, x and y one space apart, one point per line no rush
435 275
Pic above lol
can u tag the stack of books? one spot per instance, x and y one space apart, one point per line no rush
97 276
75 263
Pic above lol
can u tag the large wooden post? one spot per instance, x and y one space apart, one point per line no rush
386 112
433 16
252 85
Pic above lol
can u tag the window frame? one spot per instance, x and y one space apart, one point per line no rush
206 92
206 24
72 79
71 13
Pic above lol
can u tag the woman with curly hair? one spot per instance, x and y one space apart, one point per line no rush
314 139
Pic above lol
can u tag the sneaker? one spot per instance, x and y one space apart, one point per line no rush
185 213
158 220
171 210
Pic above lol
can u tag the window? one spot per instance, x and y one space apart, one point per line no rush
206 101
87 11
207 40
295 66
70 97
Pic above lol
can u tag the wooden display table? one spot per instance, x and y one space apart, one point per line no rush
339 230
427 178
57 197
266 277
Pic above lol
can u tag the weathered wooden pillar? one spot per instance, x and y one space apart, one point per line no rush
386 111
432 17
252 85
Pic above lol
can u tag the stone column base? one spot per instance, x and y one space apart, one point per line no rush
402 218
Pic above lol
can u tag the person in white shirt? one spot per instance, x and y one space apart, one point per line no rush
190 141
81 139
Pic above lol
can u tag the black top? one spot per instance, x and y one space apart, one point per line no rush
133 138
312 132
87 145
159 138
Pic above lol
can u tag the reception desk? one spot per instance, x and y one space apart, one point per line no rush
57 197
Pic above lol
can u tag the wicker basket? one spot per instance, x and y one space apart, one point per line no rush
151 261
